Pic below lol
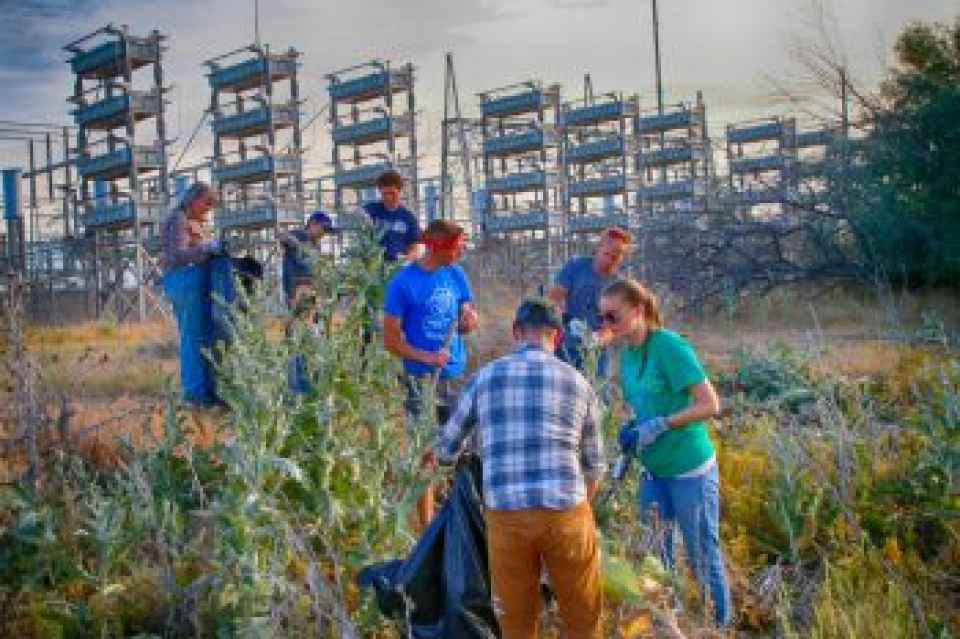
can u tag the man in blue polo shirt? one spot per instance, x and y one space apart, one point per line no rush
398 226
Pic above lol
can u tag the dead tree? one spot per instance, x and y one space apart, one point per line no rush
712 259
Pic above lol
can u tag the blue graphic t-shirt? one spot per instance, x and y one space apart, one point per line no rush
428 305
399 227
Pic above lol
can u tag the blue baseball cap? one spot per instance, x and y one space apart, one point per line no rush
324 220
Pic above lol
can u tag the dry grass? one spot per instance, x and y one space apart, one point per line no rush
106 369
100 361
858 335
848 325
99 335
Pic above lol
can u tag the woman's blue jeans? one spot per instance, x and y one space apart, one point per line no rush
188 289
693 505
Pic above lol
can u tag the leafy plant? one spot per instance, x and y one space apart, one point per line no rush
780 375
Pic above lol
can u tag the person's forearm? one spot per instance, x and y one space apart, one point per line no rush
706 404
558 297
691 414
403 349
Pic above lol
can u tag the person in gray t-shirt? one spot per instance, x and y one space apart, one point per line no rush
577 287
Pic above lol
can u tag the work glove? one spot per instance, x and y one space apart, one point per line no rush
579 329
621 466
636 435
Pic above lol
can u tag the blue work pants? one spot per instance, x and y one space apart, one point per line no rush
188 289
692 505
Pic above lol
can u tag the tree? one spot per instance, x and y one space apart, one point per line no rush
904 177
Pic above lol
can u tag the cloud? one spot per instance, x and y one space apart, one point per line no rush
728 54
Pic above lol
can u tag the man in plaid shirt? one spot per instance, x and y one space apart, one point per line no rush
538 424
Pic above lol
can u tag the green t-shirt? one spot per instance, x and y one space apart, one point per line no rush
656 378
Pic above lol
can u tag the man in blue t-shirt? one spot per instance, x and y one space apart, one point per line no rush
576 292
428 305
399 228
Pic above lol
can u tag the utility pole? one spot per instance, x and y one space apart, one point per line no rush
256 23
452 117
656 58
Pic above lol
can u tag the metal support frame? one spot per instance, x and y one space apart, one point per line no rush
455 127
762 165
257 163
373 120
522 170
600 163
674 159
112 114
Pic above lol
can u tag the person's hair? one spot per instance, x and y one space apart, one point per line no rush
193 193
537 312
390 178
617 233
636 295
442 229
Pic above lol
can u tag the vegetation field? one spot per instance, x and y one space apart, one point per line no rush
839 461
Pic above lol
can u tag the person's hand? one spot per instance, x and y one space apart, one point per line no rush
438 359
212 246
430 460
604 336
638 435
578 329
469 320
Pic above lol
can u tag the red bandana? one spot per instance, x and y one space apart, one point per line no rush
444 243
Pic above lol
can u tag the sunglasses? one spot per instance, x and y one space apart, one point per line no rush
608 317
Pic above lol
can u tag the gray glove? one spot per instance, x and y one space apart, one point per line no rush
212 246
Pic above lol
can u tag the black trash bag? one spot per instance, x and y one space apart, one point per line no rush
444 585
226 273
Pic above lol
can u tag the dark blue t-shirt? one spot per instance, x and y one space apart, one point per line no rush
297 261
399 228
427 303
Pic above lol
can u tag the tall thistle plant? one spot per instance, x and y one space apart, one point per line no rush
316 484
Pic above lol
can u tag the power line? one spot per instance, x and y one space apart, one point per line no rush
190 141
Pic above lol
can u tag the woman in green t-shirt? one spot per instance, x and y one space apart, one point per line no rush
671 397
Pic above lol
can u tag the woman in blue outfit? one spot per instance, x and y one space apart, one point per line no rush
671 397
185 250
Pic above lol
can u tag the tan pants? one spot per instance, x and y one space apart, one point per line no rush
565 541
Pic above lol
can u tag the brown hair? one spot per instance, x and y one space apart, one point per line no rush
636 295
193 193
390 178
617 233
442 229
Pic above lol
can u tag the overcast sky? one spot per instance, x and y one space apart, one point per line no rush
734 51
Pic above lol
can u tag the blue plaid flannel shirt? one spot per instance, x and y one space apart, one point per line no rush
538 423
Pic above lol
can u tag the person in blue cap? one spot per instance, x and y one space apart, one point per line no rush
301 248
